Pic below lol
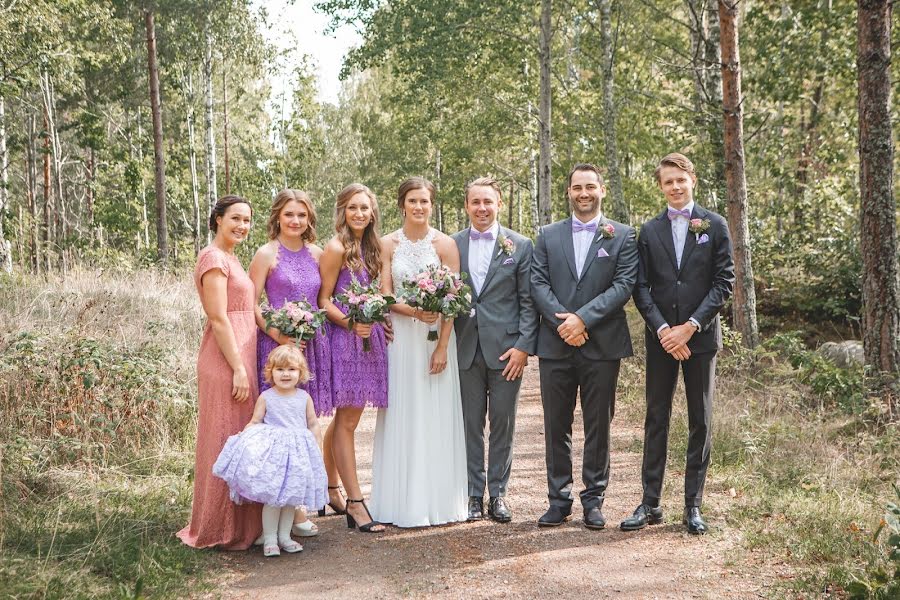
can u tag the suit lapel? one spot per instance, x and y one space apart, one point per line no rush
663 231
568 246
690 242
496 257
592 251
464 258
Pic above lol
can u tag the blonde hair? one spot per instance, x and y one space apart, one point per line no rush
489 182
281 199
679 161
286 355
358 254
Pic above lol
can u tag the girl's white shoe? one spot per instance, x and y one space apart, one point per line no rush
305 529
270 548
290 546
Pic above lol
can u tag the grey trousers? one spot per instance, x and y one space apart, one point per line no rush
486 393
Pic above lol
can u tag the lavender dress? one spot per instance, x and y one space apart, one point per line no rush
277 462
358 378
296 277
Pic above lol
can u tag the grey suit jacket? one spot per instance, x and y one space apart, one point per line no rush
598 296
505 316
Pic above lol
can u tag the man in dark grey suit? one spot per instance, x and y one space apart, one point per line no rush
493 343
686 274
582 275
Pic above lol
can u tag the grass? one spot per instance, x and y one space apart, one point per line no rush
96 432
97 422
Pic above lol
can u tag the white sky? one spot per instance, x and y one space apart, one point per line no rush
298 24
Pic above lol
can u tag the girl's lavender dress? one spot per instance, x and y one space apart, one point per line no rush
296 277
358 377
277 462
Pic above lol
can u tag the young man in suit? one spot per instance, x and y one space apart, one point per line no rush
582 275
686 274
493 344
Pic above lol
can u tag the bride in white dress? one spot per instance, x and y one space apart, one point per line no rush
419 458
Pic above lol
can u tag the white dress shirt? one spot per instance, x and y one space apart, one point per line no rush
680 227
480 255
680 231
582 242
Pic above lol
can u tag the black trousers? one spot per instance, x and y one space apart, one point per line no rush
699 373
560 382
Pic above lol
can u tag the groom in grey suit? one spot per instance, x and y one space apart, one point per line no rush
493 342
583 273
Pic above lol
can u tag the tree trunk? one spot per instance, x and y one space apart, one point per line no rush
192 153
545 197
162 238
619 208
878 209
735 178
211 188
714 125
437 189
509 208
145 221
45 232
225 127
5 249
31 186
90 173
535 197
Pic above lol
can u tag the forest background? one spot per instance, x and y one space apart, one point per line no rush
102 211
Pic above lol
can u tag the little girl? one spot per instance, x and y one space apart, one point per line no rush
276 459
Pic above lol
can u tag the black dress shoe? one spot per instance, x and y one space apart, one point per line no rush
554 516
695 523
593 518
476 508
498 510
643 515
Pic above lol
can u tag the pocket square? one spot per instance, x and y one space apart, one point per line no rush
602 253
703 239
508 261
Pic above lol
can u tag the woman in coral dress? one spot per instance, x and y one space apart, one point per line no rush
226 380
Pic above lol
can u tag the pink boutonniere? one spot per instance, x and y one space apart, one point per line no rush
698 226
607 231
507 246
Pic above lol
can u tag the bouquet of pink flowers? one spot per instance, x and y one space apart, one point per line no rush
440 290
297 320
365 304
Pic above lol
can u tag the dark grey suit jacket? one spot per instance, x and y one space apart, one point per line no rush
598 296
504 312
699 289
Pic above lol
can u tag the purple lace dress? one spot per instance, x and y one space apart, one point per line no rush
358 378
277 462
296 277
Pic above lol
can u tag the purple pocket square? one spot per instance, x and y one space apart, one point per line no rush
602 253
508 261
703 239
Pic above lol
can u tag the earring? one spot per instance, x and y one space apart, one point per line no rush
403 213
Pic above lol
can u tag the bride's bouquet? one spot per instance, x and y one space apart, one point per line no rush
297 320
437 289
365 304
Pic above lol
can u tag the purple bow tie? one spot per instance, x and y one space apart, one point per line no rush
674 214
487 235
576 227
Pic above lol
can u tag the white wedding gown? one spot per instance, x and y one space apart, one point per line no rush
419 457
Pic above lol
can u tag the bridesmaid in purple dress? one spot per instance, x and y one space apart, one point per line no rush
358 378
287 268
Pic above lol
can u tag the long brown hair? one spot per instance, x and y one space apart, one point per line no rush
367 256
283 197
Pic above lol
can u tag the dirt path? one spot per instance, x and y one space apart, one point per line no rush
515 560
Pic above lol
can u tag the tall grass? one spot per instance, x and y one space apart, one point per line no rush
96 425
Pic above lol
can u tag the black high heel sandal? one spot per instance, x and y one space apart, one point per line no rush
336 510
367 528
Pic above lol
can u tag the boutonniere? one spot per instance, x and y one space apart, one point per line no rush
507 246
606 231
698 226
